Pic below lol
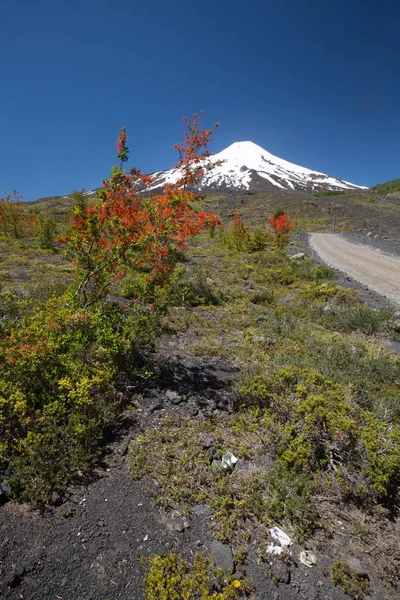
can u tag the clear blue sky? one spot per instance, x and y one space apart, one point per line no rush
313 81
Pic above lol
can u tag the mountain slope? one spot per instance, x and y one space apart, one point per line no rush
248 167
387 187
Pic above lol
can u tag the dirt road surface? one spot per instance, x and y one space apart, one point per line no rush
374 269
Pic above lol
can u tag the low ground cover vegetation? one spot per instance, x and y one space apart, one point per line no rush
315 439
314 417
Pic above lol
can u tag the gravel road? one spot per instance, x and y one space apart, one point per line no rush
372 268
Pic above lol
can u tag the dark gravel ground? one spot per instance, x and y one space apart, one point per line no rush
386 243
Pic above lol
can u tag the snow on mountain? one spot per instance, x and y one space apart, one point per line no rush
249 167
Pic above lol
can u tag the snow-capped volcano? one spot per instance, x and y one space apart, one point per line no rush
249 167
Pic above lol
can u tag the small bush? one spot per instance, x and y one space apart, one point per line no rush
360 318
316 429
363 365
170 577
329 193
287 272
19 302
265 297
46 232
237 237
241 238
327 291
60 371
353 585
259 239
279 212
194 291
291 497
324 272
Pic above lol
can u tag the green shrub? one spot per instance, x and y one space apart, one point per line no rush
46 232
175 460
287 272
329 193
388 187
283 274
168 456
58 389
370 370
317 429
264 297
258 240
353 585
194 290
291 497
237 237
360 318
327 291
308 424
170 577
279 212
281 322
323 272
19 302
240 238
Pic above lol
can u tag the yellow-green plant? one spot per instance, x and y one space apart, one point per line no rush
170 577
58 388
